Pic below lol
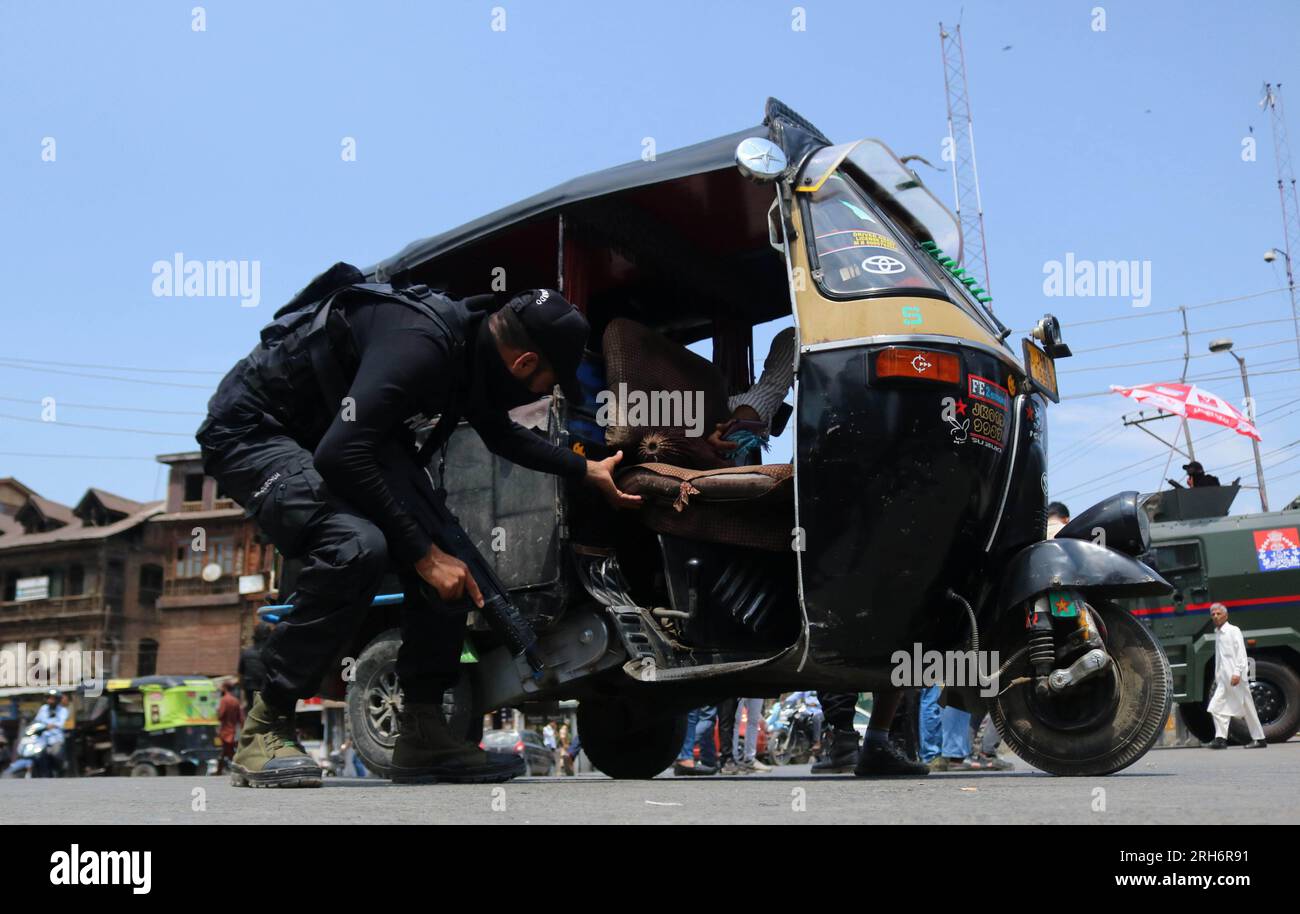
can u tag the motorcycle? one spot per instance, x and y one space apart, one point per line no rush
32 754
910 522
792 732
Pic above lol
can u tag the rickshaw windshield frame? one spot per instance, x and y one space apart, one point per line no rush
944 286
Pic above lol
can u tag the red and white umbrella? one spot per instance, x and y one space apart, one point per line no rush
1190 402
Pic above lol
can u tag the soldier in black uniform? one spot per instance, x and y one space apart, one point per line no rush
295 433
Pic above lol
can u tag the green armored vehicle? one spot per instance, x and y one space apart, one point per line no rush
1251 564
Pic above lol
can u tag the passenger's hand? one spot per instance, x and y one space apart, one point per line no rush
722 447
600 474
1236 680
449 576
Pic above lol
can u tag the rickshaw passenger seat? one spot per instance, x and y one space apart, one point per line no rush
742 506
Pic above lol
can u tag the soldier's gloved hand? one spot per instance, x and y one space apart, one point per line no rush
449 576
600 475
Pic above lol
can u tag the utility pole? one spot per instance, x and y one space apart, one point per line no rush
1286 191
961 149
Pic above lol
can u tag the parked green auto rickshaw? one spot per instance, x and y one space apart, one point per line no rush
147 727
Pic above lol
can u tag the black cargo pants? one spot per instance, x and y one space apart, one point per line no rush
345 557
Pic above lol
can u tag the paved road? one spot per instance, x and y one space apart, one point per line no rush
1193 786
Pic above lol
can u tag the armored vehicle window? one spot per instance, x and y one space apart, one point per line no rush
1176 557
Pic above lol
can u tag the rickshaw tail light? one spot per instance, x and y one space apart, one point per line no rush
919 364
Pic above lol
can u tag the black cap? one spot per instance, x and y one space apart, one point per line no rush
1194 468
560 332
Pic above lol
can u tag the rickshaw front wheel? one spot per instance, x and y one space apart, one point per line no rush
144 770
1106 723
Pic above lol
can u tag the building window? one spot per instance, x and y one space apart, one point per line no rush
146 663
194 487
76 581
56 581
151 584
221 551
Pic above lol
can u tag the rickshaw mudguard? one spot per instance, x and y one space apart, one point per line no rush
1070 564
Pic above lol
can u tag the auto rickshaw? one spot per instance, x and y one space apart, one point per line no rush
912 515
149 726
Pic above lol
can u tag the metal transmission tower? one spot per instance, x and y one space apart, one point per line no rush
1272 102
961 149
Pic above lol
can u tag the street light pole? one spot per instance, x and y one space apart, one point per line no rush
1226 346
1254 443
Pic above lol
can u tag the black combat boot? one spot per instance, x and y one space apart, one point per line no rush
427 753
881 758
839 754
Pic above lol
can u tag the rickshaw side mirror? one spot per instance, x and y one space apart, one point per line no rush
760 159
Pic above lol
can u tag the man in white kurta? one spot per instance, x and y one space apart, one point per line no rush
1231 696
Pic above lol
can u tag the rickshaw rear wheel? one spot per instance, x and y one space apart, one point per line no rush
144 770
374 697
1107 724
626 741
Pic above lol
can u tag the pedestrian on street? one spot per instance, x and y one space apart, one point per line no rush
954 739
747 761
53 715
1231 696
230 716
700 728
549 740
930 723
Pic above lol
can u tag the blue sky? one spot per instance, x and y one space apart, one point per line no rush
225 144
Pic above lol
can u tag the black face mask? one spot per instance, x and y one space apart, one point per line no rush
494 387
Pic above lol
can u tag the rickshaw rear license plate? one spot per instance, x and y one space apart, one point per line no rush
1042 371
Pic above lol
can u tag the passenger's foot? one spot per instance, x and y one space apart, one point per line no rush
427 753
1218 743
1257 744
841 755
269 754
730 768
754 766
881 758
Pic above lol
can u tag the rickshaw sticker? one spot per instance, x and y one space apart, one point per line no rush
912 315
1063 606
958 428
873 240
1278 550
989 392
858 211
988 424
